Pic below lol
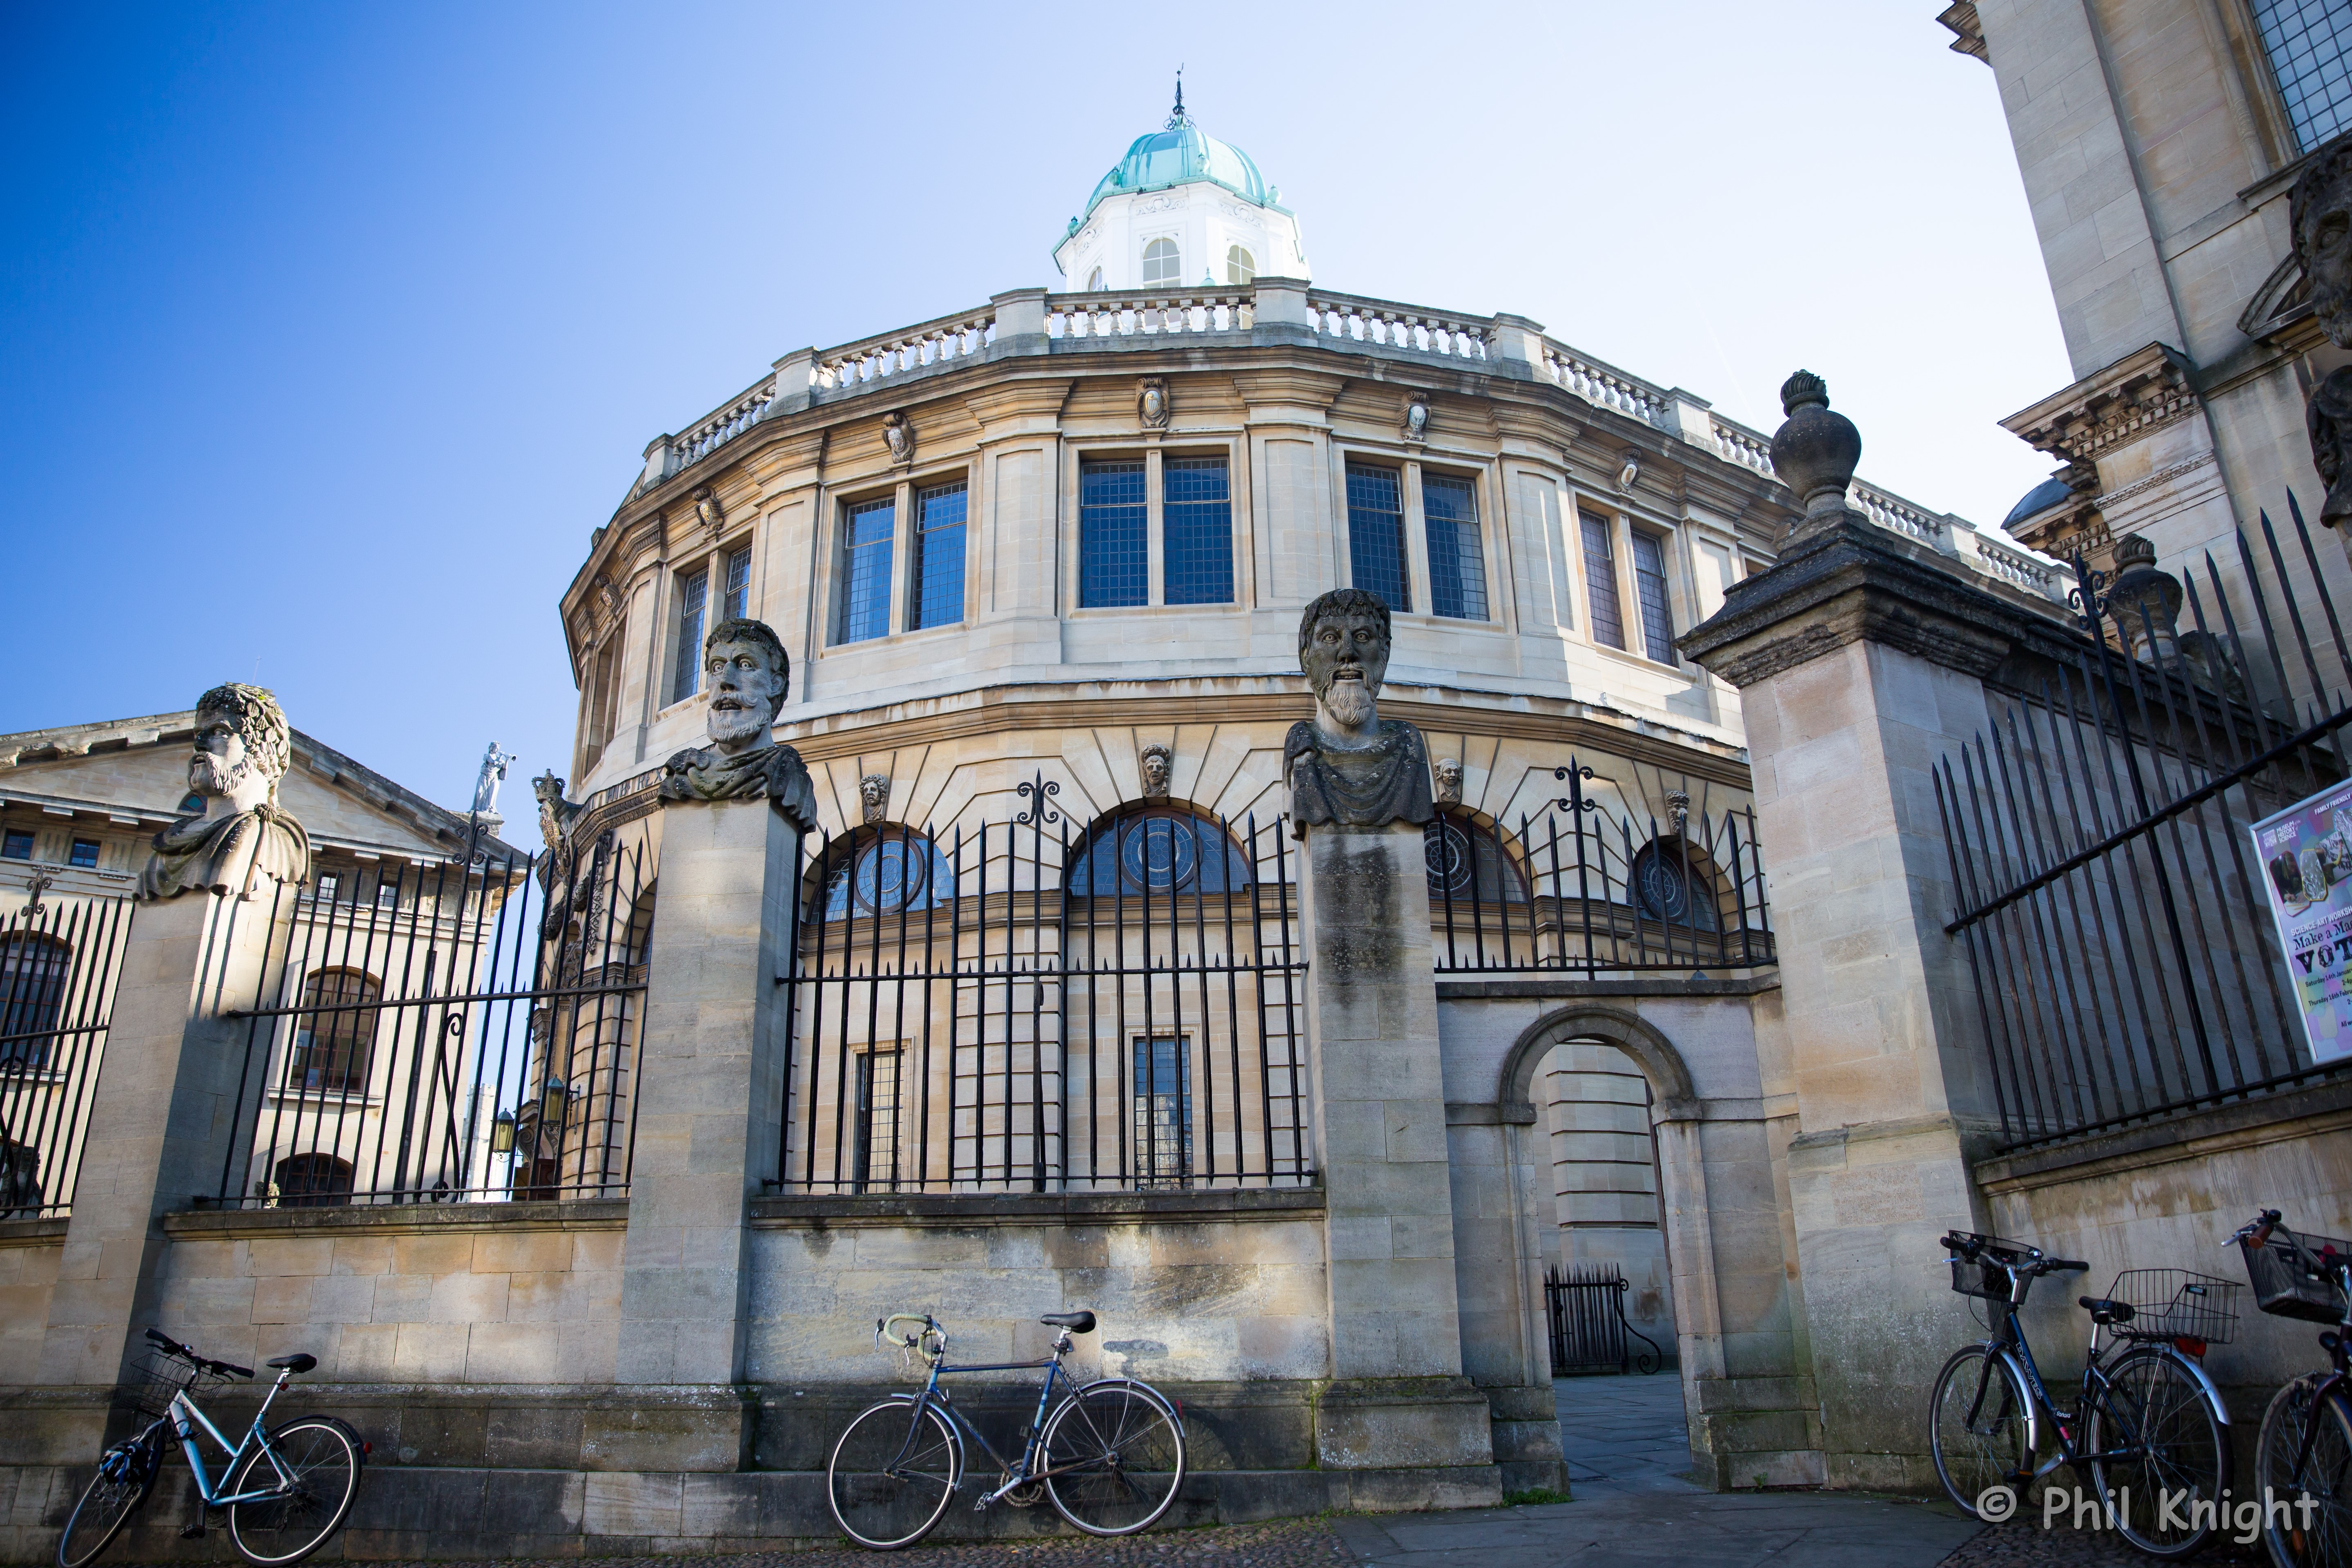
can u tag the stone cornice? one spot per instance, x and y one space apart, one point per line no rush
1853 581
2141 393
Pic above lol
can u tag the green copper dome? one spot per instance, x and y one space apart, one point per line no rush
1180 154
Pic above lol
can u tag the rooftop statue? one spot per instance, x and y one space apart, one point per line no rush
1347 766
242 836
748 675
2321 209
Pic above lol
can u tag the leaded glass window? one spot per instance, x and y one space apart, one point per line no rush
1376 533
1457 565
1163 1111
18 844
866 531
1600 581
331 1046
938 557
1197 531
884 871
1674 884
1650 588
2305 40
693 599
1157 850
1114 553
735 605
1467 864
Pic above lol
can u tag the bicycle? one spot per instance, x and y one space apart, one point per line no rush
2304 1453
1110 1457
276 1517
2150 1427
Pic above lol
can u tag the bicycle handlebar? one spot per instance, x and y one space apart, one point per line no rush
202 1363
930 1329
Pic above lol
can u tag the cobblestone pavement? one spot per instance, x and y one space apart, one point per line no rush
1287 1543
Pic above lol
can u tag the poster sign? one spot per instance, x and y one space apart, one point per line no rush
2306 858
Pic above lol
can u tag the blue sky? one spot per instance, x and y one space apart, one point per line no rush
329 331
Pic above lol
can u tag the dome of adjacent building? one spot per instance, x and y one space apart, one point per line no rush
2040 499
1181 153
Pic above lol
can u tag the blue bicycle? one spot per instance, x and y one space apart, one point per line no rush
1110 1457
285 1492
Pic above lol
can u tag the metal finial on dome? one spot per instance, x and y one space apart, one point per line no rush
1176 116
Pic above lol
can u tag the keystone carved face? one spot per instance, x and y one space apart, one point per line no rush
1449 781
1343 646
874 796
1156 762
2321 209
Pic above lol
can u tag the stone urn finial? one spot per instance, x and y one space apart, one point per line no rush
2144 603
1815 452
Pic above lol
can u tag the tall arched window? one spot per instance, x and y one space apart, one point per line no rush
312 1181
1241 267
1094 281
332 1046
1467 863
882 870
1162 263
32 992
1157 849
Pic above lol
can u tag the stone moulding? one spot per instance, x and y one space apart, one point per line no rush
2137 396
580 1214
798 1210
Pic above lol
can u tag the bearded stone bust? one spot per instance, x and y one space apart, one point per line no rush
1347 766
747 675
2321 216
242 838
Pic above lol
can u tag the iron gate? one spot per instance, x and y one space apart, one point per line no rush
58 963
1586 1310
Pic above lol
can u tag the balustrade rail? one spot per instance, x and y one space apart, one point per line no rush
59 959
1603 384
1070 317
1578 890
879 358
1348 318
2124 960
1015 1008
471 1038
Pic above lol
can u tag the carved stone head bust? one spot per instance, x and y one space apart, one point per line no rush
2320 211
1449 781
749 675
1156 763
241 837
242 745
1343 646
873 797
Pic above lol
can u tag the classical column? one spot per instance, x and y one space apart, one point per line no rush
1861 658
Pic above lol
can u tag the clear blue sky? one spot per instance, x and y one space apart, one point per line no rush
329 331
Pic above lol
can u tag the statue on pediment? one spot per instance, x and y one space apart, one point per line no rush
1347 766
242 837
748 675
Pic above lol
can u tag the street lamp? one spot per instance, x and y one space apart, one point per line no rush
502 1130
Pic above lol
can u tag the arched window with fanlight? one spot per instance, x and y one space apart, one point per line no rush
33 969
1674 882
885 870
335 1036
1157 849
1162 263
1468 863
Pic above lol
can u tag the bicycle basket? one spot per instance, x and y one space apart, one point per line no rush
2294 1276
2174 1304
1987 1275
156 1376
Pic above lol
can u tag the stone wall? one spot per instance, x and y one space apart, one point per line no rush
30 1252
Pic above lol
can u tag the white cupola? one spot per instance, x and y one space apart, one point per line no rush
1182 211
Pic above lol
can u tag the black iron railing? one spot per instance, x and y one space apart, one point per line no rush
1582 890
59 959
1586 1310
2124 958
466 1034
1017 1007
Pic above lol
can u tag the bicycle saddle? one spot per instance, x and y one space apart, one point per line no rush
1076 1323
2105 1312
294 1364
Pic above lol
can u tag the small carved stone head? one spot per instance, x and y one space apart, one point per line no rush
898 434
1416 417
2320 211
1343 646
242 746
873 797
1152 406
707 511
749 675
1157 762
1449 781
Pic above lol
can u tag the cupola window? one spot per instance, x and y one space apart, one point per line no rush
1161 263
1241 267
1094 281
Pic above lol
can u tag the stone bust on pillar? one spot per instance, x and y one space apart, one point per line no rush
2321 218
748 675
1347 766
242 837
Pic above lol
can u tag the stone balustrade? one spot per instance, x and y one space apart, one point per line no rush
1069 317
1603 384
874 359
1348 318
723 426
1743 445
1894 512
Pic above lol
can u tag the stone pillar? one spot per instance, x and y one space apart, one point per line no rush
1020 320
160 1121
1282 302
1862 658
709 1089
1399 1404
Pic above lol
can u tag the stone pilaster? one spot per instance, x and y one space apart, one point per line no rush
709 1097
1399 1401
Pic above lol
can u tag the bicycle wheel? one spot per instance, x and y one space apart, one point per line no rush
1977 1426
2319 1536
2164 1491
126 1474
1114 1454
312 1468
893 1471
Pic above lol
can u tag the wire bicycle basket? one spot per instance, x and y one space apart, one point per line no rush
1987 1275
2177 1304
2295 1275
158 1375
